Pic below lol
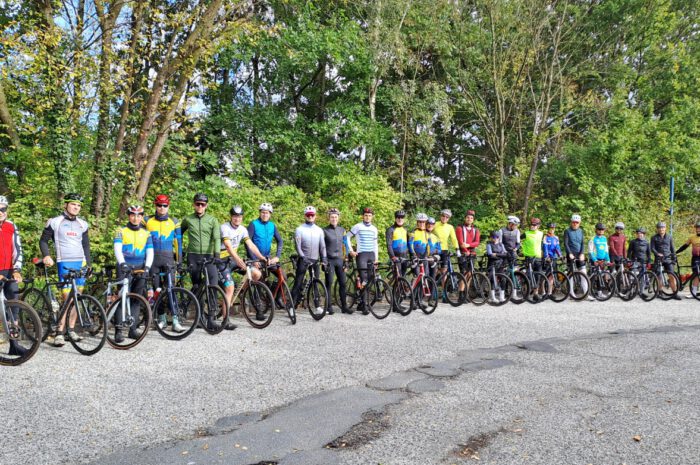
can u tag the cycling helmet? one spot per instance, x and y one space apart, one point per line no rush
333 211
447 212
599 226
535 221
495 234
551 225
421 217
619 225
513 219
642 230
265 207
73 198
470 213
400 214
162 199
367 210
310 210
135 210
3 201
660 224
576 218
236 210
697 225
201 198
431 220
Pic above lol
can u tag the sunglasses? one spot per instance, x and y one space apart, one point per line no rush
311 214
3 209
200 204
162 205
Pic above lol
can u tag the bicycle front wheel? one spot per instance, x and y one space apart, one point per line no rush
214 306
258 305
626 285
284 301
40 303
648 286
176 313
694 291
668 285
603 286
454 288
403 297
379 298
90 327
579 285
502 290
126 331
427 295
560 287
478 289
540 288
317 299
521 288
21 337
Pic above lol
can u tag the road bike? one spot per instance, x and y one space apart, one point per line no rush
176 309
478 286
212 299
539 286
312 291
128 313
400 287
579 284
559 283
693 278
424 288
375 295
274 278
254 299
625 280
452 284
21 332
669 283
602 281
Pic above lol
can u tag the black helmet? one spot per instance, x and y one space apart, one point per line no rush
236 210
600 226
400 214
642 230
551 225
495 234
73 198
201 198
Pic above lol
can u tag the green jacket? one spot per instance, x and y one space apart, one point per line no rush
532 243
203 234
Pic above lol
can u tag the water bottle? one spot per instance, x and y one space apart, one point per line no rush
54 306
157 293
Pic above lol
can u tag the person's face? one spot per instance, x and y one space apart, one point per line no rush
236 220
73 208
551 231
367 217
3 211
640 235
265 215
662 230
512 226
444 218
468 220
575 224
310 217
162 209
135 218
600 232
420 224
534 226
430 227
697 230
400 220
618 230
495 240
333 219
200 208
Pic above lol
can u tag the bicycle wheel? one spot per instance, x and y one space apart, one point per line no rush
648 286
667 283
521 287
502 290
182 309
454 288
350 291
478 289
214 309
560 287
426 295
626 285
541 288
284 301
317 299
579 285
134 326
40 303
403 297
20 340
91 325
602 286
379 298
694 291
258 304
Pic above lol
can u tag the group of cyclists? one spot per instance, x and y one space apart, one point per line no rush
160 241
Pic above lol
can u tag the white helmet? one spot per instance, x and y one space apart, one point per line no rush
576 218
447 212
619 225
310 209
3 201
265 207
421 217
514 219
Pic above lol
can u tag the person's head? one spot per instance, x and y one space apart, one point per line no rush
399 217
421 220
661 228
469 217
310 214
236 213
431 224
619 227
162 203
495 237
135 213
333 216
367 215
445 215
575 221
535 223
74 202
4 205
641 232
600 229
513 222
265 211
551 227
697 228
200 204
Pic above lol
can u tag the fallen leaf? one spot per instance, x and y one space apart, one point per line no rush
637 438
185 452
205 446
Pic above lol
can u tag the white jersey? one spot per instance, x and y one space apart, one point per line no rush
235 235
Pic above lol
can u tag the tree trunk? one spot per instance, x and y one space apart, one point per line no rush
7 120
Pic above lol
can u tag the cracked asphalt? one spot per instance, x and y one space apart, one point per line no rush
589 382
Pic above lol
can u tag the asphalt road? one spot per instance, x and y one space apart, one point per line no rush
589 382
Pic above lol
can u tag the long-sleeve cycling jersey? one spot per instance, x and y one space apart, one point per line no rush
573 241
446 234
336 241
639 251
166 234
496 253
551 247
397 241
662 245
469 235
10 247
262 234
367 238
203 234
510 240
618 245
419 243
70 237
310 242
435 244
598 248
133 245
694 243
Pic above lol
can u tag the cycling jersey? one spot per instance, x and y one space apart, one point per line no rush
639 251
694 243
310 242
10 247
133 245
573 241
469 235
203 234
598 248
446 235
419 243
532 243
618 245
235 235
367 239
397 241
550 247
262 233
335 240
662 245
70 237
166 235
510 239
496 253
435 244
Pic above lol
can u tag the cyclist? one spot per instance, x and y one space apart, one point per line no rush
510 237
447 238
133 248
598 249
468 237
497 257
397 239
532 244
574 241
166 236
664 253
203 241
335 239
232 235
310 243
367 252
694 242
639 251
618 243
551 250
435 246
70 237
261 232
10 263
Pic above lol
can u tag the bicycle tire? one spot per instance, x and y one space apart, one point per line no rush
91 325
258 305
648 286
505 284
214 307
188 312
478 288
695 292
284 300
451 289
429 295
143 323
666 292
317 299
25 331
602 286
626 285
521 287
379 298
579 285
40 303
540 288
403 297
350 291
560 287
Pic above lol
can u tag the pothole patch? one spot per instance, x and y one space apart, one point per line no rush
371 427
487 365
536 346
395 381
438 370
425 385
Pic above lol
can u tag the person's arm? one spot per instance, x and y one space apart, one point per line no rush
322 246
607 252
683 247
118 252
648 254
280 243
17 255
376 246
652 246
476 241
346 243
389 239
297 242
149 252
453 239
624 246
46 236
216 239
178 240
86 248
410 245
591 250
489 250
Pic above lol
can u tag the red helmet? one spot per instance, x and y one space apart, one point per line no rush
162 199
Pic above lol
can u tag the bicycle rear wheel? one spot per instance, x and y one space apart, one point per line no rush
403 297
20 340
284 300
579 285
502 290
667 283
214 309
182 309
478 288
135 325
694 291
626 285
648 286
258 305
521 288
426 295
317 299
90 327
560 287
40 303
540 288
379 298
454 288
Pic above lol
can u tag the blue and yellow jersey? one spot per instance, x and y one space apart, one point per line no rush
396 241
419 243
434 244
166 235
132 245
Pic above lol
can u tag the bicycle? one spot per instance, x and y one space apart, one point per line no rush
172 302
120 315
602 281
501 283
539 286
376 294
20 329
521 283
212 299
424 288
313 293
668 281
351 295
579 284
91 321
400 287
647 282
625 281
279 289
453 284
689 278
254 299
558 282
478 285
